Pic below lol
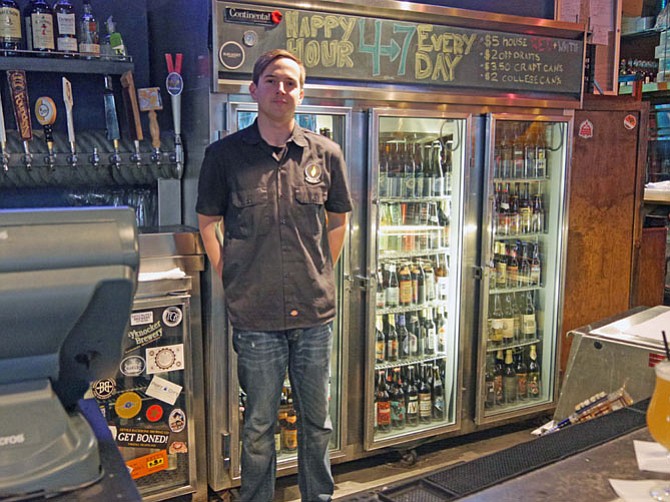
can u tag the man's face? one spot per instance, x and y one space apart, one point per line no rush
278 91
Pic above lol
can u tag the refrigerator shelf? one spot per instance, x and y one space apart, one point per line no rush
519 180
403 229
515 345
412 307
514 237
392 255
422 198
408 361
519 289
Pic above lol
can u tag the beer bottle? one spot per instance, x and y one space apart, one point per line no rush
525 211
278 437
509 379
503 212
536 266
436 170
420 283
414 274
391 339
521 376
439 411
10 26
538 214
291 443
431 333
441 326
380 296
397 397
418 170
403 338
517 317
425 398
497 322
412 396
66 27
39 22
447 169
498 371
394 174
508 320
393 289
541 154
382 403
428 176
405 285
528 319
384 154
423 333
506 151
489 382
413 330
281 421
442 277
380 340
534 375
514 216
525 268
512 267
519 151
443 219
408 171
429 280
530 149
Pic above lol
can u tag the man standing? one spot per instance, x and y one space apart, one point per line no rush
281 197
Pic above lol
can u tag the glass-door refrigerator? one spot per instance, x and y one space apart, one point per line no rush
523 250
415 228
225 469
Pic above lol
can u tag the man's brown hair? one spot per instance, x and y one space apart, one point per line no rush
265 59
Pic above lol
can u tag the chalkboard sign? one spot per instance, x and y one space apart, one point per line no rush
344 47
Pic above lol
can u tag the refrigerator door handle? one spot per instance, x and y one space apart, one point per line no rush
478 272
363 280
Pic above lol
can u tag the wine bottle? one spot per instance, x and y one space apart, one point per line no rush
66 27
10 26
39 22
89 33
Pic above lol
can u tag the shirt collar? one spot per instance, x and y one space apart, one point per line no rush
252 135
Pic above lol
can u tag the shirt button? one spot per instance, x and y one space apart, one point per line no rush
294 313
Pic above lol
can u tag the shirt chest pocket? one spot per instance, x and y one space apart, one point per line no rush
249 214
310 210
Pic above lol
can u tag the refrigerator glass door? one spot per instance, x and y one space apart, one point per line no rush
414 262
334 123
522 257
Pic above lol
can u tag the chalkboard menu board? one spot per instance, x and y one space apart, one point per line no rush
354 48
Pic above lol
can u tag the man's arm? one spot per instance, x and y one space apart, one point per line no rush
208 229
337 226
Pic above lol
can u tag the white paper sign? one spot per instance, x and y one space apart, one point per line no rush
163 390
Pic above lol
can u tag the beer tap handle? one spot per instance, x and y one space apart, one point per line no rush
175 85
132 112
45 111
19 90
69 104
3 139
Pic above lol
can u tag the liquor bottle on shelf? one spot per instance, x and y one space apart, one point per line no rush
500 260
412 397
425 398
10 27
508 320
382 403
392 349
517 317
380 340
291 437
403 337
528 319
534 375
497 322
521 376
66 27
423 333
439 404
393 290
39 22
397 397
509 379
498 371
89 33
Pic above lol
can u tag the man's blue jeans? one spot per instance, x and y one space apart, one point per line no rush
262 359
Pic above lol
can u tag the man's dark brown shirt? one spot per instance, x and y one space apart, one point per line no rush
277 266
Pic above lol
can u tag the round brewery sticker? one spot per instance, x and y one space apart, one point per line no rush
132 366
154 413
177 420
172 316
630 121
103 389
128 405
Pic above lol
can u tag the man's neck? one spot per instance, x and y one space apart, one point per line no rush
275 134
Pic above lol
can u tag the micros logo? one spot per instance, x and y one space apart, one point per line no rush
12 440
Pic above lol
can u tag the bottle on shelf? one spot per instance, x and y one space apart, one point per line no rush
442 277
291 437
535 266
498 370
509 379
66 27
115 40
538 214
506 151
397 397
530 151
431 333
89 33
380 340
525 211
521 376
412 397
414 332
503 227
448 167
489 381
518 151
528 319
419 170
380 295
443 219
384 153
405 285
534 375
425 398
417 271
514 216
439 404
497 322
11 35
508 319
382 403
393 290
403 337
394 172
436 170
512 266
541 170
408 171
39 22
441 326
392 349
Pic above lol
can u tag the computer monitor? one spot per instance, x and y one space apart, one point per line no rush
67 282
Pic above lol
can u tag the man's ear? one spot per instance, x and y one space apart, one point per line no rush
252 90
